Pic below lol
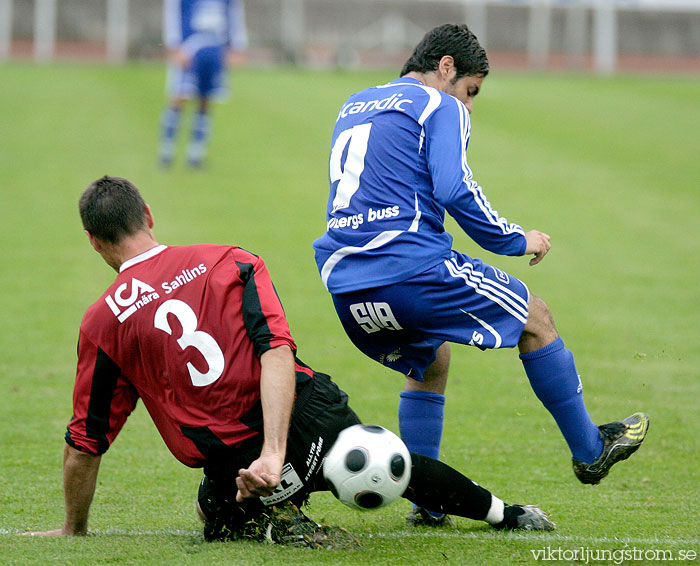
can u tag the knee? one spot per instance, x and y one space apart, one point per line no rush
540 314
539 329
538 309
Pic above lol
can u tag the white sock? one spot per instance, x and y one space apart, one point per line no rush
495 514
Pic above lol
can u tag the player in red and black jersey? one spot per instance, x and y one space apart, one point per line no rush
152 335
199 334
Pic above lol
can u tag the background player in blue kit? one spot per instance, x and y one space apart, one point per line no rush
203 38
397 163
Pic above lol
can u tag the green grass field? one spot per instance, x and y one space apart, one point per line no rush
608 167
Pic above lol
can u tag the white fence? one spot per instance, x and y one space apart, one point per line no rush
590 27
44 25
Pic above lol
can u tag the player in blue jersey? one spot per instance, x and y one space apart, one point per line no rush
398 162
203 38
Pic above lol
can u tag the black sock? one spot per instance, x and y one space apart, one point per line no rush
510 517
438 487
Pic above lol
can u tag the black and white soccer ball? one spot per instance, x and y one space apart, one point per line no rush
368 467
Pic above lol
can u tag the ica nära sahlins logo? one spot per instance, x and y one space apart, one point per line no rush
136 294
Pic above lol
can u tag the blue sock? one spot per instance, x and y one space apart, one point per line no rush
554 379
421 414
201 130
169 124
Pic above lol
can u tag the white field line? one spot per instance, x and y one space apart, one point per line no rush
545 537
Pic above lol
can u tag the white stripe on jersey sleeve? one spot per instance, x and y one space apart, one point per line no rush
432 106
416 219
473 187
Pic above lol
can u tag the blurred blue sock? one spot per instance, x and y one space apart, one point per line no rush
169 125
199 138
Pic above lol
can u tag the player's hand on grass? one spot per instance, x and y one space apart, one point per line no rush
261 478
537 244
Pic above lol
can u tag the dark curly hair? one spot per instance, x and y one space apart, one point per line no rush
455 40
111 209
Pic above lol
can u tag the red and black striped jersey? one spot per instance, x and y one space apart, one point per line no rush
182 328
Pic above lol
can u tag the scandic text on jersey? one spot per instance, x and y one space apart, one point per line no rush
394 101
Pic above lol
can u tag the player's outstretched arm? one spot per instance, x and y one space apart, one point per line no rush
277 387
79 480
538 244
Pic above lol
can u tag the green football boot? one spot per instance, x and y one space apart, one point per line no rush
620 440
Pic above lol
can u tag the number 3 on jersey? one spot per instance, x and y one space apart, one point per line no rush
198 339
349 176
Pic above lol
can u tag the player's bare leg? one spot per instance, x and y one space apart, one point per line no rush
435 377
421 415
539 330
553 376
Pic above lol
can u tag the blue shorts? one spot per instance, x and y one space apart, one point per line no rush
461 300
206 76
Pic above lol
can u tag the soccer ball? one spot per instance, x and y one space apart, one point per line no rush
368 467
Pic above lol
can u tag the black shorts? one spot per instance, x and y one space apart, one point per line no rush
320 412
